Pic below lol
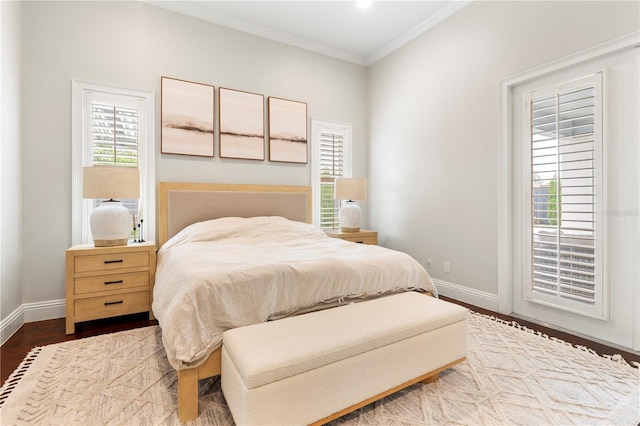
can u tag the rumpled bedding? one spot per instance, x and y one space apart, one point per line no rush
231 272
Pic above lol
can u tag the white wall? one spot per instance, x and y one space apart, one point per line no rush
10 165
425 118
133 44
435 127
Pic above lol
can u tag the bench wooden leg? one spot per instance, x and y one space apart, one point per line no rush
187 394
431 379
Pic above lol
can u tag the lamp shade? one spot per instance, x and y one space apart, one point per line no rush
351 189
111 222
110 182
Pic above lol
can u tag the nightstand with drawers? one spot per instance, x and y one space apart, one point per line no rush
363 236
103 282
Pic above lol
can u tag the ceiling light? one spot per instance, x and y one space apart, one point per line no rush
364 4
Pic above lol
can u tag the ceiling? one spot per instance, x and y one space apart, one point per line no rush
335 28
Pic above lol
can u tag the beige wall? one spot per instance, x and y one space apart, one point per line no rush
435 126
426 118
10 162
133 44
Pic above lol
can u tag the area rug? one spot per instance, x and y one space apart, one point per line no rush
512 376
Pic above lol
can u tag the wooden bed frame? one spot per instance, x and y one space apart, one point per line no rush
212 201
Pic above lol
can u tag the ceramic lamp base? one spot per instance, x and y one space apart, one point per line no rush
110 224
350 217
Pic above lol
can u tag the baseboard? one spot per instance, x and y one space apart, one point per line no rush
468 295
11 324
46 310
30 312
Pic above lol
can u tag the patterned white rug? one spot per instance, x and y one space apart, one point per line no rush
512 376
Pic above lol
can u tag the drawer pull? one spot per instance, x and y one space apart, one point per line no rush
113 303
113 282
113 261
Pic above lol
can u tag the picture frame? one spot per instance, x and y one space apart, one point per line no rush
241 121
287 131
187 117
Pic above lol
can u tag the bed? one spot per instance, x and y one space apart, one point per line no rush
234 255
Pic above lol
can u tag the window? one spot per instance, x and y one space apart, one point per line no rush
112 126
114 140
564 134
331 160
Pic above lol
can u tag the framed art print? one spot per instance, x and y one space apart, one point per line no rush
287 131
241 124
187 117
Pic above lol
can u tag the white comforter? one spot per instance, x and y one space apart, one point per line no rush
231 272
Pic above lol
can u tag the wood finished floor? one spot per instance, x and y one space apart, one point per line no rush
42 333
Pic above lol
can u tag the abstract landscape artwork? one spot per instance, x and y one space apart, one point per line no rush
241 124
287 131
187 117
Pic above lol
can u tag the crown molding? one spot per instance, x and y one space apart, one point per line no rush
416 31
195 10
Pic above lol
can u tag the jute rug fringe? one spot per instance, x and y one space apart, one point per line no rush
614 357
17 375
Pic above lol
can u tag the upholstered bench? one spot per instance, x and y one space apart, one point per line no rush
319 366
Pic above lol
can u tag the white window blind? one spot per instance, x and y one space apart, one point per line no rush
566 244
114 132
114 136
331 168
331 160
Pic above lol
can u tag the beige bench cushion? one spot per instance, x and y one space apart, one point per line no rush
310 341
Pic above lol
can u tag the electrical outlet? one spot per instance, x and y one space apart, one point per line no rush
447 267
429 263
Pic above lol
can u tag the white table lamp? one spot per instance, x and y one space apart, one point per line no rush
111 222
350 189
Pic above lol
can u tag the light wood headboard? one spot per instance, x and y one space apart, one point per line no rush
184 203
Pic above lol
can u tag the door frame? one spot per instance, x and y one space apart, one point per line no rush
505 164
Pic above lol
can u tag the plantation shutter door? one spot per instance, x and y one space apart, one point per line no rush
566 243
332 158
